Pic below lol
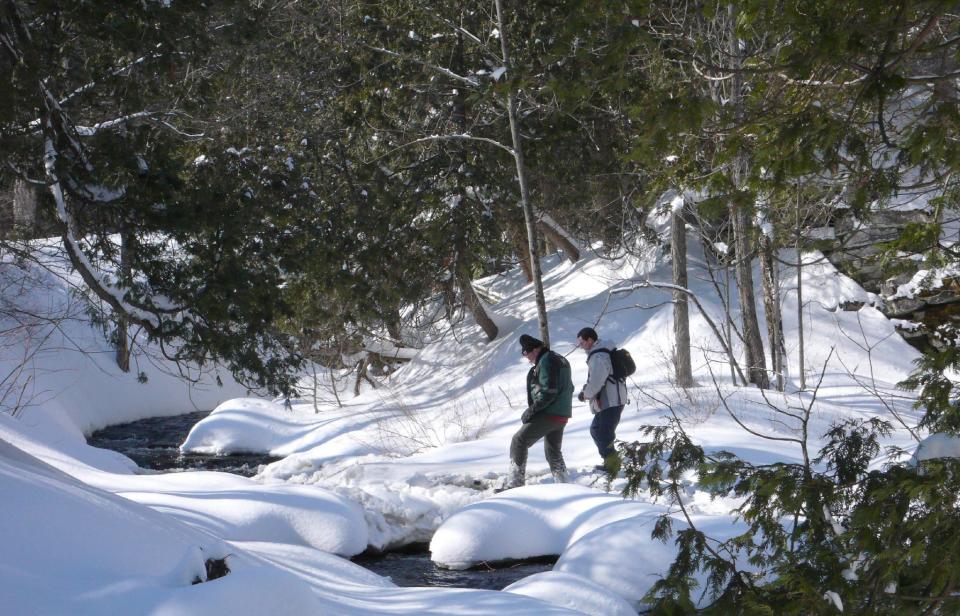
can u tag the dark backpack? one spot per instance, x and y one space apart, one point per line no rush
622 362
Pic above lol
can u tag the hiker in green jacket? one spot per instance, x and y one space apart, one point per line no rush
549 407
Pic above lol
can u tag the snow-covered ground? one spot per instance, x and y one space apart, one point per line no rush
415 459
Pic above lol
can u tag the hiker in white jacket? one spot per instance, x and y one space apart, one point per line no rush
607 396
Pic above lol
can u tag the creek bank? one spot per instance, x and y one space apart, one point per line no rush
154 445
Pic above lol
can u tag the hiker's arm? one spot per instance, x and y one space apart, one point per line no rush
549 387
600 369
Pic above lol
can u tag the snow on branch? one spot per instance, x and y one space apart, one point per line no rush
90 131
443 71
114 295
117 71
457 137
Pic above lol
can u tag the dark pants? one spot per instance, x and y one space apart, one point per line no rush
540 427
603 430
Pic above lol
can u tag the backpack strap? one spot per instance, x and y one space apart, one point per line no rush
599 350
609 353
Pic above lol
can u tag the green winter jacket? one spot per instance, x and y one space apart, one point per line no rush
550 386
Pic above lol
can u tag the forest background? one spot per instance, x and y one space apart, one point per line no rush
262 184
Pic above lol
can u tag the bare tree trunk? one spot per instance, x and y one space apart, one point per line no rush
24 207
556 234
753 343
462 265
361 368
474 304
800 359
771 305
333 386
522 179
523 253
123 340
681 312
727 317
316 386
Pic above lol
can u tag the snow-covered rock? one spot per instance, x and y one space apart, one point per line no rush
574 592
623 558
538 520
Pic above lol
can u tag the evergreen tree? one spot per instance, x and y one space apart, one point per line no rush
112 113
849 95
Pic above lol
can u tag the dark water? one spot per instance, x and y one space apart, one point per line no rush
413 567
155 444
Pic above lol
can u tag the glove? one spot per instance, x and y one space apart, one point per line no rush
527 415
581 397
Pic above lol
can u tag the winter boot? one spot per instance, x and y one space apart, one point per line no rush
514 479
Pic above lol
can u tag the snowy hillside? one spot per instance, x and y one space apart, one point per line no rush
414 459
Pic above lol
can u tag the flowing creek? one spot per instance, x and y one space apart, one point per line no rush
155 444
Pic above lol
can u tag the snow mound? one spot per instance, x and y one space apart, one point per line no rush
936 446
350 590
246 425
574 592
623 558
319 569
298 515
538 520
92 552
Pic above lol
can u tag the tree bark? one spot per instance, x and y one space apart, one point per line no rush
462 266
556 234
681 311
473 303
771 305
24 208
123 340
800 358
523 253
753 343
522 179
361 368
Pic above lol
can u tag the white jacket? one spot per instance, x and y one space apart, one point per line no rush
600 389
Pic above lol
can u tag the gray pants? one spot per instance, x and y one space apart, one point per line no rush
540 427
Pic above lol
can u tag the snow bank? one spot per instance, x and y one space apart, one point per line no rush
399 513
539 520
226 505
283 514
60 371
624 559
252 425
345 588
936 446
69 548
574 592
418 453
